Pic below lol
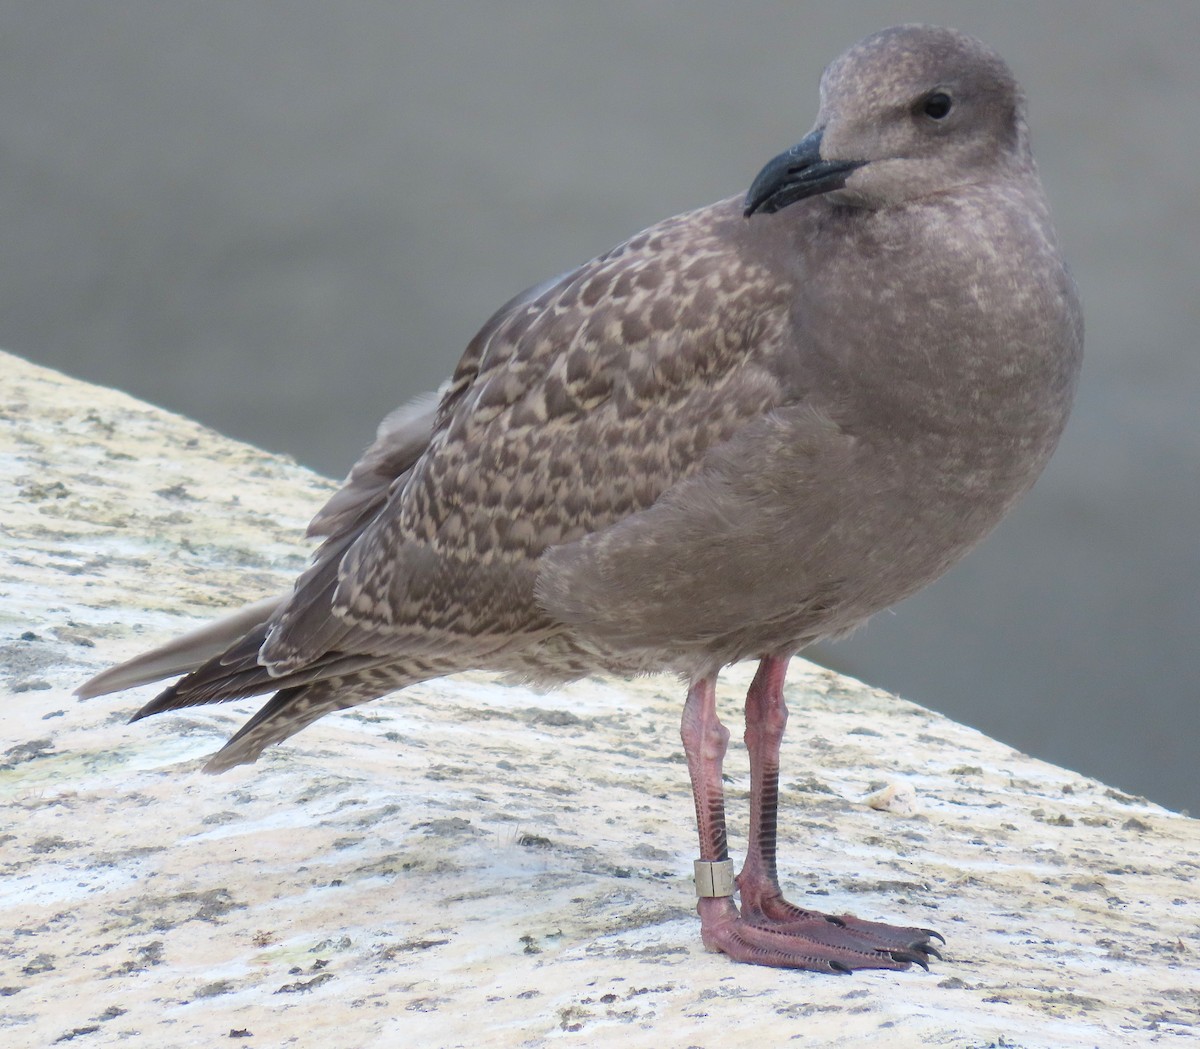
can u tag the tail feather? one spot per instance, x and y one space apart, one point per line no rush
286 713
293 709
182 655
220 662
218 682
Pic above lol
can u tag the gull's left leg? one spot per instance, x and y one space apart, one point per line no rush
763 904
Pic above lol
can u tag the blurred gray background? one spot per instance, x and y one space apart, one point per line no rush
284 218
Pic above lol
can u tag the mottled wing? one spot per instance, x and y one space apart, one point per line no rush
575 407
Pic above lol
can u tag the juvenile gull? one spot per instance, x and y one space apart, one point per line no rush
747 428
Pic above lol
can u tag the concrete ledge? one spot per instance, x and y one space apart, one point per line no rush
472 864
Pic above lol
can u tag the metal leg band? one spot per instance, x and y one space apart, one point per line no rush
714 877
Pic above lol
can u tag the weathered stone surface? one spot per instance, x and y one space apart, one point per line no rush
474 864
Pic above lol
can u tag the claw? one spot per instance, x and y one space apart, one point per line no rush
932 932
909 956
927 949
839 967
833 919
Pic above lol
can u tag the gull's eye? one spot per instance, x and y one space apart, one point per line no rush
937 105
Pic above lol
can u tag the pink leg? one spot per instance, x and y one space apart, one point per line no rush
766 718
770 930
705 740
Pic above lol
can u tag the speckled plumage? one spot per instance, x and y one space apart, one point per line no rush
726 438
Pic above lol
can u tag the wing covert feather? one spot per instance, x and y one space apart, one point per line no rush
576 406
